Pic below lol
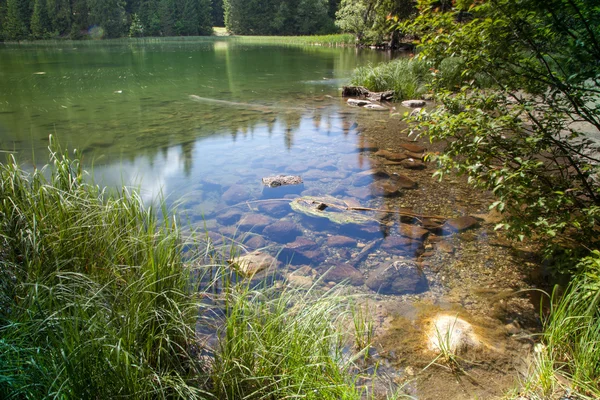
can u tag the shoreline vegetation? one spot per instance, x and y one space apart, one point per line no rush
516 103
333 40
103 299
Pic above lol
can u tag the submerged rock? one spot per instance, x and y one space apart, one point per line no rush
229 217
300 251
236 194
275 208
403 246
411 163
413 147
375 107
340 272
341 241
331 208
390 155
256 222
282 231
358 102
250 264
403 181
413 231
451 334
460 224
413 103
399 277
255 242
365 177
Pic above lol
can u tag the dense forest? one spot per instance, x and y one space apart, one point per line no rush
369 20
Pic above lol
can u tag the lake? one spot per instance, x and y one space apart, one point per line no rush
201 122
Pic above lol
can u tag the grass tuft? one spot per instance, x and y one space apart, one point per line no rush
97 303
568 359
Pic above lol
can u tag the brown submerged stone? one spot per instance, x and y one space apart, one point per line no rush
340 241
415 148
340 272
413 231
391 156
411 163
461 224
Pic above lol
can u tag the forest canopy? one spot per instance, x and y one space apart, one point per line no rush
371 21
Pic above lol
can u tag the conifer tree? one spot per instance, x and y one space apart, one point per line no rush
109 15
2 17
167 12
40 21
60 15
205 17
187 18
80 22
218 12
16 21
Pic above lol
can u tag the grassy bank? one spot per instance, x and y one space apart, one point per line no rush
342 39
97 302
409 78
567 359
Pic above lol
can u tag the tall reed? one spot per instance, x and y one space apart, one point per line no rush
568 359
98 302
101 299
406 76
283 343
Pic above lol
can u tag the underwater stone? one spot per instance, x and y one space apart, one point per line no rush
282 231
340 272
341 241
460 224
256 222
252 263
236 194
411 163
449 333
415 148
413 103
399 277
357 102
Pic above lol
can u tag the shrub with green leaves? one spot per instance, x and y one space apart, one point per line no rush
526 136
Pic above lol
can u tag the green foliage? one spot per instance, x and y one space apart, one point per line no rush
218 13
40 22
524 137
99 300
136 29
371 20
61 14
277 17
406 76
571 341
322 40
16 21
282 344
79 24
110 18
109 15
96 301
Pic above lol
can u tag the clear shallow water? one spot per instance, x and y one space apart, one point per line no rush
262 110
126 106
